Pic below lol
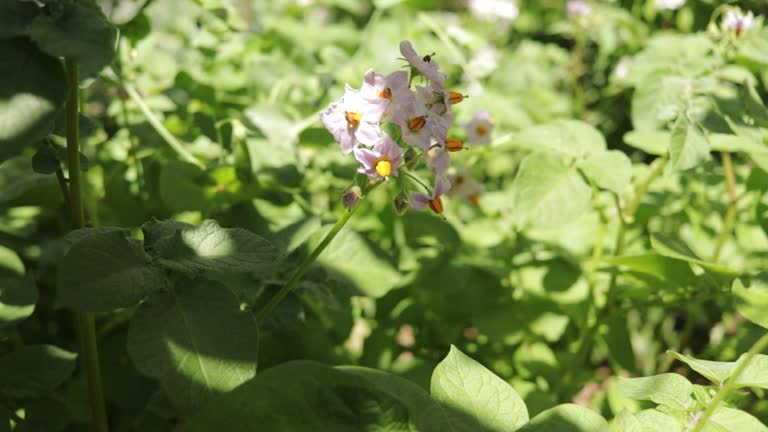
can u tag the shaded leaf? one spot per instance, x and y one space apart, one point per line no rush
752 302
195 340
35 370
210 247
717 372
566 418
106 271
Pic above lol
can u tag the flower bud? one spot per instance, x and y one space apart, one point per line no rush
401 203
352 197
410 158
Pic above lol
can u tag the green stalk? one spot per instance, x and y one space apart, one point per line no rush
730 214
86 331
293 282
725 390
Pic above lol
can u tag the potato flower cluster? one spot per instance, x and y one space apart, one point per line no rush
423 115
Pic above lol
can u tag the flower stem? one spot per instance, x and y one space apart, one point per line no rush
293 282
725 390
86 332
730 214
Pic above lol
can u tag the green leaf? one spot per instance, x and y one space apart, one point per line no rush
106 271
650 141
566 418
661 267
32 90
15 16
547 193
676 249
305 396
211 248
666 389
35 370
155 230
656 421
752 302
617 340
756 372
611 170
78 30
18 297
625 421
195 340
730 419
466 386
566 137
717 372
45 160
688 146
356 259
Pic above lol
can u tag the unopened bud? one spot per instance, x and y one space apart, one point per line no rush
352 197
410 158
401 203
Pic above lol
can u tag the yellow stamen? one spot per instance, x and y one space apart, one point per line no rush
386 93
454 144
475 199
384 167
455 97
436 204
417 123
353 118
481 130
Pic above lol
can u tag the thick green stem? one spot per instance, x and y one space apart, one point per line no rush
726 390
730 214
304 266
293 282
89 354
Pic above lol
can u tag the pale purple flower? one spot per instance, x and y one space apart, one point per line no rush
479 128
669 4
738 22
353 119
438 159
489 10
436 100
382 160
391 90
433 200
416 124
578 8
425 65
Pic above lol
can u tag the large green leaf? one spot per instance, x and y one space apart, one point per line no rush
356 259
18 294
756 372
611 170
15 16
730 419
654 420
195 340
467 387
566 418
78 30
650 141
547 193
304 396
210 247
106 271
35 370
32 90
717 372
752 302
668 389
688 146
566 137
625 421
